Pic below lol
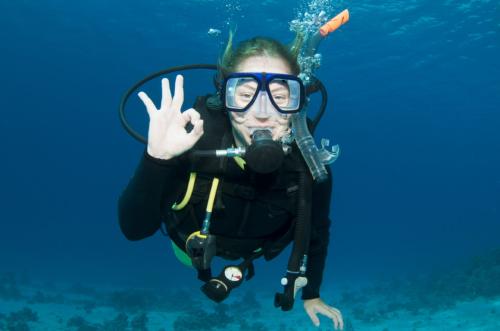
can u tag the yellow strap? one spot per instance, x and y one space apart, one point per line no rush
187 196
213 192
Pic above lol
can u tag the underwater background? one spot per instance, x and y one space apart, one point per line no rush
414 103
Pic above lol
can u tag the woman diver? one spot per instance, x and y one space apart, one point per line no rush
235 207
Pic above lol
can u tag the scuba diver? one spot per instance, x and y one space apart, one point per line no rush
231 177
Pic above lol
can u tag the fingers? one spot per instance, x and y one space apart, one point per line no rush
330 312
312 315
340 318
178 99
337 314
193 116
197 129
333 313
150 107
166 96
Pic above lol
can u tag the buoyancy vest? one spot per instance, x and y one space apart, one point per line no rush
274 195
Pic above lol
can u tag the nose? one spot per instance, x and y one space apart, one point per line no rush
265 108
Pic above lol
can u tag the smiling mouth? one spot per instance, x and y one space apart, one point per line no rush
253 129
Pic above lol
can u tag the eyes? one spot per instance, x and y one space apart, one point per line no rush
280 99
244 94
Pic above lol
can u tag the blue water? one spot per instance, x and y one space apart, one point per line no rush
414 104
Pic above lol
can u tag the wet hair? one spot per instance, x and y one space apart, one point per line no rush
259 46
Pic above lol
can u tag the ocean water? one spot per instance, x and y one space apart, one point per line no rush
414 103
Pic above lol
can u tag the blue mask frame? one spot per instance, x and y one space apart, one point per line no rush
263 80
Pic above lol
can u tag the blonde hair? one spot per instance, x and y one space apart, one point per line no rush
259 46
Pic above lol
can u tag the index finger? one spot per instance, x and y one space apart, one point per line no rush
150 107
179 93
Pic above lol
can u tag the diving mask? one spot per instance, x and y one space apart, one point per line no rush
286 92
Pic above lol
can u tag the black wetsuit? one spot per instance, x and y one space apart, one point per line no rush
250 209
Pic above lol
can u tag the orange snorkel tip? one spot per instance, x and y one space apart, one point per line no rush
334 23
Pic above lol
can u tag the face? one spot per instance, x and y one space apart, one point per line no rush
262 114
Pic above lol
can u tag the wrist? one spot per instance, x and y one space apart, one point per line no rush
161 162
160 156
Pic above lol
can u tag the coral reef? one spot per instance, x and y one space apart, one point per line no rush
255 326
79 323
476 278
247 303
203 320
119 323
139 322
18 320
239 315
41 297
137 300
419 295
87 305
133 300
178 301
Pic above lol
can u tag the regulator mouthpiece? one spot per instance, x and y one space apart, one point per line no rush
264 155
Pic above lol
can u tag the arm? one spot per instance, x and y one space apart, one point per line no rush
142 204
320 237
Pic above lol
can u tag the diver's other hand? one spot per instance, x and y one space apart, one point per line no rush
314 306
167 135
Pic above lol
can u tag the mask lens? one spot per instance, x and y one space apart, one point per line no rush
240 91
285 94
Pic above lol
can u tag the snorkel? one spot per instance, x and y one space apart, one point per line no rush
295 277
315 158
